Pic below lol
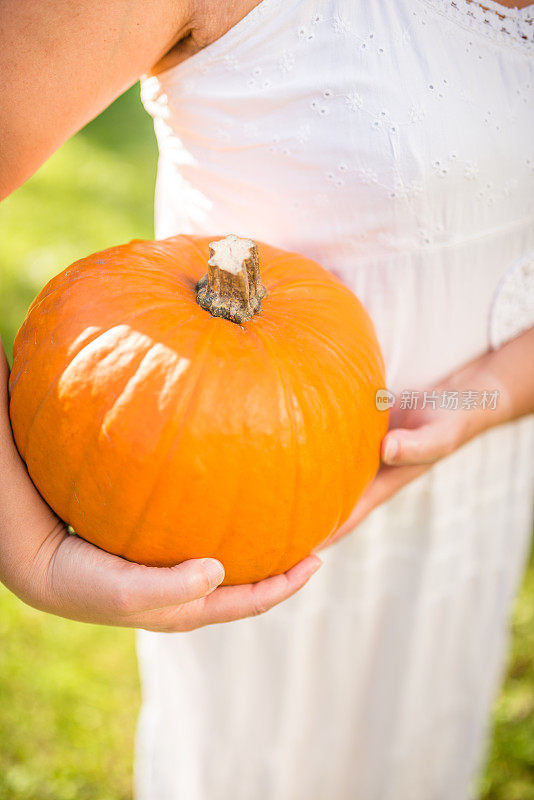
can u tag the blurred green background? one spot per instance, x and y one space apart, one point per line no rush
69 693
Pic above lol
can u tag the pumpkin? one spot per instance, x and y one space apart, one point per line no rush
165 415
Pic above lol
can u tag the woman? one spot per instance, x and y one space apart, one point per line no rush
393 144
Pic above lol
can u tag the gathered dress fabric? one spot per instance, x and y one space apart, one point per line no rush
393 142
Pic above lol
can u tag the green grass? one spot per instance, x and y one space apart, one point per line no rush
69 698
69 693
510 771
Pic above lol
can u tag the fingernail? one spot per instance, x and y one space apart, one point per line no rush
214 569
317 565
391 448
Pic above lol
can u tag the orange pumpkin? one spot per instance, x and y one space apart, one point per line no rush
165 417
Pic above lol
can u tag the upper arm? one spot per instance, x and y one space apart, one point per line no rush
62 63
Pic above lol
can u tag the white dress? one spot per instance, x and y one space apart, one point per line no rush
393 142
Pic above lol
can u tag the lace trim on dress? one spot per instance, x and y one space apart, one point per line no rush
505 25
512 308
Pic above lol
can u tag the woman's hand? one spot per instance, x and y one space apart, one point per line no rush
496 388
54 571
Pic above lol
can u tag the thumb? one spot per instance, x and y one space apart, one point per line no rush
423 445
148 588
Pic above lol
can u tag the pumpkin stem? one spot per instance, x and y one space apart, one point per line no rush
232 287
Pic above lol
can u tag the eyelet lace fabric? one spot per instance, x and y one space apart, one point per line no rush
509 26
393 142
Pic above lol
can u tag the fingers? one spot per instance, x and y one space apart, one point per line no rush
88 584
423 445
230 603
235 602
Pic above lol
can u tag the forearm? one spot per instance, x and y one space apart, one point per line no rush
9 461
21 508
513 366
509 372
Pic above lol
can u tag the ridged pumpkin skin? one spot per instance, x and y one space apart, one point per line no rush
162 433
